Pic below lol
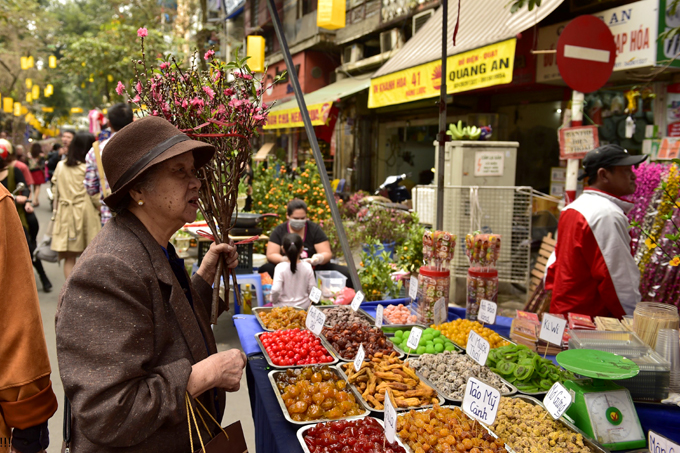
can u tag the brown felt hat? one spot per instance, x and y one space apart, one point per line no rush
141 145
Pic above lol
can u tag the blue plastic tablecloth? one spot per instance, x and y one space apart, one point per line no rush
273 433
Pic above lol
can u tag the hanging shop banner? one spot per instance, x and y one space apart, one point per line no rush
483 67
668 49
634 27
293 118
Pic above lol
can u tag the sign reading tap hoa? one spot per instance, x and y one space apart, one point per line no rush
575 142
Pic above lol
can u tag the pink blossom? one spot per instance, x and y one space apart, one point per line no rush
185 104
208 54
209 91
197 102
142 32
235 103
221 109
165 65
136 100
138 87
243 75
259 117
217 76
228 92
120 88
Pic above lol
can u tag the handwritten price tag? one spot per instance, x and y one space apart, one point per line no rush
441 311
413 288
358 299
487 312
359 359
414 338
390 419
315 320
315 295
379 316
477 348
659 444
481 401
552 329
557 401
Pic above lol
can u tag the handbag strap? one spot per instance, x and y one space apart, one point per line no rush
100 169
192 415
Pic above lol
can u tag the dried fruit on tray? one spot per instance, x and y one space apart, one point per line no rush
343 314
529 429
365 434
431 342
294 347
280 318
346 339
446 430
388 372
398 314
315 392
459 330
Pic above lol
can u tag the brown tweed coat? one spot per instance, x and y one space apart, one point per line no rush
126 340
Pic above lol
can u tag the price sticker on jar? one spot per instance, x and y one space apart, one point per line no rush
358 299
414 338
487 312
359 359
440 311
557 401
315 320
390 419
477 348
481 401
315 295
379 316
413 288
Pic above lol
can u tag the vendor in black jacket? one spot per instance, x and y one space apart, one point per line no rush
317 248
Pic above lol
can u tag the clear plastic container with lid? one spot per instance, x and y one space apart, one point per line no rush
650 317
432 286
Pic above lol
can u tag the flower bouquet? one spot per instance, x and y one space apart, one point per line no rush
221 105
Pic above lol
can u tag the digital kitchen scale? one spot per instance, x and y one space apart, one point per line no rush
603 410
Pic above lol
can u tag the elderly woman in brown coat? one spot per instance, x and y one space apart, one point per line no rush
133 332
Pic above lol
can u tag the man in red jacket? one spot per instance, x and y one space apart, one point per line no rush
592 271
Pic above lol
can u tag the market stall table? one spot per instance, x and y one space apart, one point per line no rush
273 433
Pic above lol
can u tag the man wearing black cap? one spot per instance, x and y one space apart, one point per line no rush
592 271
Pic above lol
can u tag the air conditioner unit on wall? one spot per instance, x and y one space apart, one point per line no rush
390 40
353 53
420 19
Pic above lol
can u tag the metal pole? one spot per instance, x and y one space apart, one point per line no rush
572 164
441 161
311 135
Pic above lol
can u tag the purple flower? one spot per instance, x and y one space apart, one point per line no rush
120 88
142 32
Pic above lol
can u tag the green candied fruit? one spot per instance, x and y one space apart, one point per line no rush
429 349
439 347
427 337
436 333
398 334
421 350
429 343
449 347
438 341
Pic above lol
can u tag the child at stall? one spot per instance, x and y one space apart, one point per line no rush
293 279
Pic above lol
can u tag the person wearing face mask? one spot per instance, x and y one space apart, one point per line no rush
316 246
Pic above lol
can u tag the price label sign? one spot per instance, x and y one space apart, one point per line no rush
481 401
552 329
441 311
379 316
477 348
358 299
390 419
659 444
315 295
359 359
487 312
557 401
315 320
414 338
413 288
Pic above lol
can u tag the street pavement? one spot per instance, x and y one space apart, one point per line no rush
238 403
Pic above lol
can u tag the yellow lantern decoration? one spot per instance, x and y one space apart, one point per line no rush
23 110
109 78
29 97
36 92
76 110
330 14
29 83
29 118
24 63
49 90
52 61
255 50
30 62
48 109
17 109
7 105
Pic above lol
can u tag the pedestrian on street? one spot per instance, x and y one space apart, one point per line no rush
27 400
120 115
592 270
133 330
36 164
75 213
293 278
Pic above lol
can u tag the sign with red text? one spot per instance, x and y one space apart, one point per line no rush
576 141
279 119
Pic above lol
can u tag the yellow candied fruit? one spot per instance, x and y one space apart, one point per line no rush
458 331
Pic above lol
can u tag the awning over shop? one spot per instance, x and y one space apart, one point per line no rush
262 152
319 104
483 56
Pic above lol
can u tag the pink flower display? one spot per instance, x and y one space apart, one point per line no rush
210 92
208 55
142 32
138 87
165 65
120 88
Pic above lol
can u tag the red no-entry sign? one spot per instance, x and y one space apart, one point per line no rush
586 53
